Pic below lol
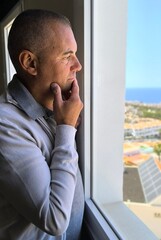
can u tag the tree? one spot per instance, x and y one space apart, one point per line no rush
157 150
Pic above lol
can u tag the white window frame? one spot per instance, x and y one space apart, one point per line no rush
8 68
115 220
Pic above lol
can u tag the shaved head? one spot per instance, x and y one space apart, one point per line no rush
30 31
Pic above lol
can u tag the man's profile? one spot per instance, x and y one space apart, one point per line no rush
41 193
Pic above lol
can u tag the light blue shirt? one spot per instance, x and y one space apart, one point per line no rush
41 193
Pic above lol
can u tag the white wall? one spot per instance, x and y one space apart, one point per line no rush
108 84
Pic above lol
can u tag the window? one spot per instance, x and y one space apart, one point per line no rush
9 70
107 216
142 134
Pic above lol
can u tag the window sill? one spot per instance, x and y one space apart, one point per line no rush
123 223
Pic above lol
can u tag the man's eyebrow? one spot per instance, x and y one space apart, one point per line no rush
68 52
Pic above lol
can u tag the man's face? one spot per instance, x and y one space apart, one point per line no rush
59 63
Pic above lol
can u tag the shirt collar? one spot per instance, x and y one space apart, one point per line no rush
26 101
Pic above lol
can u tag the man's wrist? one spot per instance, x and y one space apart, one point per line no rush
65 134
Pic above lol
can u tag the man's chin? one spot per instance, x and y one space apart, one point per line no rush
66 93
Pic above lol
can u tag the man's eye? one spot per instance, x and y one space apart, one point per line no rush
68 57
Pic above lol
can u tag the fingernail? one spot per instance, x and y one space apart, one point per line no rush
54 87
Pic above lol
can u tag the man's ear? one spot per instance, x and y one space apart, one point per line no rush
28 62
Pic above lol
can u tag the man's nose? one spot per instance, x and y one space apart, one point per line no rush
76 65
79 66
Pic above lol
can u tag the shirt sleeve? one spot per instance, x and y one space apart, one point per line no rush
40 193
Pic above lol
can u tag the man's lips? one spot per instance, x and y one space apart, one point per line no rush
72 78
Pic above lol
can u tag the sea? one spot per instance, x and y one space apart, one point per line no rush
144 95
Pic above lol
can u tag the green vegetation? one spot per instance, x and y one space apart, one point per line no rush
157 150
148 111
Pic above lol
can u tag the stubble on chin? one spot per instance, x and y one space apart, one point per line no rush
66 92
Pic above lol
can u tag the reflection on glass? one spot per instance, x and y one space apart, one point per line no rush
142 128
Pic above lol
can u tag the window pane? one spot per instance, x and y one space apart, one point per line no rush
142 128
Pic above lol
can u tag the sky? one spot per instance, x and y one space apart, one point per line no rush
143 56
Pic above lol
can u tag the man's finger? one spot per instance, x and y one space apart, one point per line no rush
57 93
75 88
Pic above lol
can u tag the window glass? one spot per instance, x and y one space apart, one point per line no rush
142 127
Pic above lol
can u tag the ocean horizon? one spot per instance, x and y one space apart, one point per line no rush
144 95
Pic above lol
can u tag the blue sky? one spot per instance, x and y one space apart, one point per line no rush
143 58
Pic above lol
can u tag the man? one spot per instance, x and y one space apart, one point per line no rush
41 194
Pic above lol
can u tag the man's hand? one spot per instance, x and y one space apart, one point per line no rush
67 111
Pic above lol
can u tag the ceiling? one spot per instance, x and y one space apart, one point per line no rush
5 7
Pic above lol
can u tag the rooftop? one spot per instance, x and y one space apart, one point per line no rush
132 189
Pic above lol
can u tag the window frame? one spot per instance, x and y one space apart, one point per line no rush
7 64
117 221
